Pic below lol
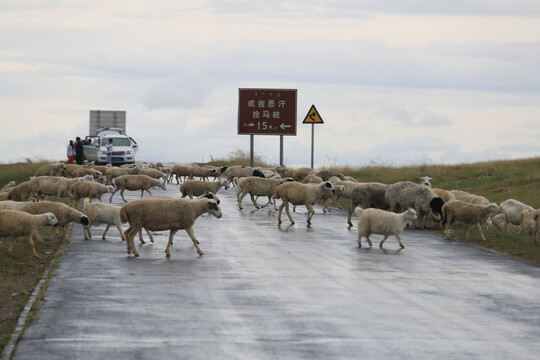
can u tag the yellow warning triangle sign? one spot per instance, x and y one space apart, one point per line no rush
313 117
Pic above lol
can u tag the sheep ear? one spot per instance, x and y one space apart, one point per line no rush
84 220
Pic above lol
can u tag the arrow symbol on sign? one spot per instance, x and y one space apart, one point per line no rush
312 115
283 126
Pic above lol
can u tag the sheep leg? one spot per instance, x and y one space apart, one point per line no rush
254 201
64 233
268 203
86 232
369 240
280 210
189 230
32 243
114 192
359 240
351 210
122 195
171 235
148 191
311 212
149 235
288 213
105 232
10 249
240 198
38 237
130 243
141 237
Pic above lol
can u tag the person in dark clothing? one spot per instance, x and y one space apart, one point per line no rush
79 151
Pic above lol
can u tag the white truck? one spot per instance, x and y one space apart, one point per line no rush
124 147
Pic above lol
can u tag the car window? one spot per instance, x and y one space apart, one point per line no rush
120 141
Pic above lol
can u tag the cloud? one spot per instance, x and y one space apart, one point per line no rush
184 91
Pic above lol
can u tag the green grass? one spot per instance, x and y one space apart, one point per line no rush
19 172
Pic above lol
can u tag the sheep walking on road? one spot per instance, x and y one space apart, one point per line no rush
193 188
134 183
18 224
160 214
467 213
381 222
257 186
301 194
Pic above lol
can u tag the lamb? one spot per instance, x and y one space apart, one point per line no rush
51 170
366 195
159 214
115 172
201 172
426 180
256 186
53 186
467 213
381 222
198 187
154 173
88 189
298 194
136 182
512 210
17 224
406 194
64 213
238 171
298 174
20 192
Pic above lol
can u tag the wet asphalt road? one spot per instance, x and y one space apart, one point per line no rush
267 292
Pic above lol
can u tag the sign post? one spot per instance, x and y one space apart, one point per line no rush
313 118
267 112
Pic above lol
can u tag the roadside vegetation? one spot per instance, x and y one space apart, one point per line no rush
496 180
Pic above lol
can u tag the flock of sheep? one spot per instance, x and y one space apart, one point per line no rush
384 209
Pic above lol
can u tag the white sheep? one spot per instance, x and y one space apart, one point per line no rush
381 222
106 214
202 172
154 173
238 171
180 171
498 222
198 187
17 224
134 183
115 172
53 185
406 194
20 192
426 180
12 205
339 190
512 209
536 227
95 174
158 214
51 170
256 186
88 189
327 174
300 194
64 213
467 213
312 179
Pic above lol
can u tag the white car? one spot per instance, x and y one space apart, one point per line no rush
124 147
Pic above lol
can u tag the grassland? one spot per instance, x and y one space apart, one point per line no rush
496 180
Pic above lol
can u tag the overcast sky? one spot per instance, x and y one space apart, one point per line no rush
396 82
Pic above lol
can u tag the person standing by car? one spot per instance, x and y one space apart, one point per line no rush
70 152
79 151
109 147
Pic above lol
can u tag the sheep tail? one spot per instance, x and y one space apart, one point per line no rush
358 211
123 215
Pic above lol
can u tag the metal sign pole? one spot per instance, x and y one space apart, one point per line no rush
251 156
281 150
312 142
